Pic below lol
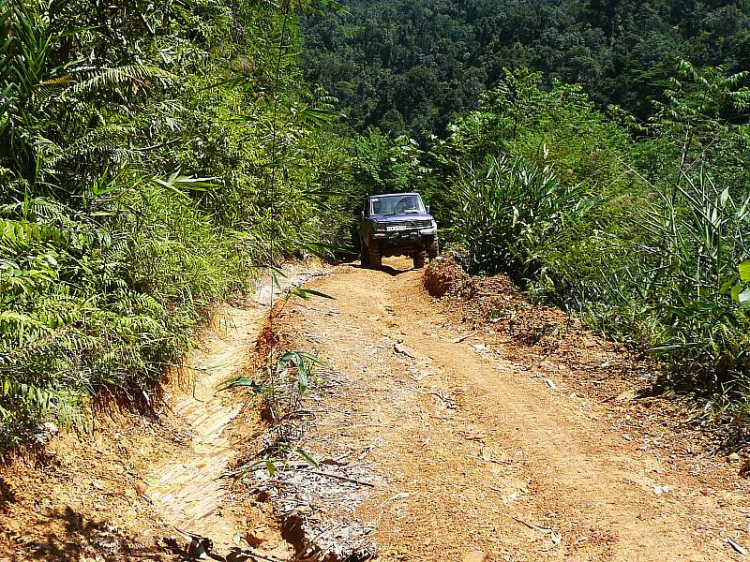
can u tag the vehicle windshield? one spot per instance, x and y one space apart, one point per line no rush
389 205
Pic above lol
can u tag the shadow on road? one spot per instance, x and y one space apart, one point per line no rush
83 538
392 271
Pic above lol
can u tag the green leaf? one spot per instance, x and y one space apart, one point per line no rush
303 383
307 458
271 468
305 293
175 183
727 287
245 382
744 268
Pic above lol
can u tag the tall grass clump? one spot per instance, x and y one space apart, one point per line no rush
147 165
504 211
644 229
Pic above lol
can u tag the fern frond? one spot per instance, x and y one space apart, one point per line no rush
101 141
134 74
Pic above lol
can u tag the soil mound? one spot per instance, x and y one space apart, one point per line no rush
444 276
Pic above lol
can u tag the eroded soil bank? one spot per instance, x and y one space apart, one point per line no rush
141 486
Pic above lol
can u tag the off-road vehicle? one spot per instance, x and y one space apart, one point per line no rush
397 224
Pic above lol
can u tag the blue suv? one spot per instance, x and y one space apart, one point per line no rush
397 224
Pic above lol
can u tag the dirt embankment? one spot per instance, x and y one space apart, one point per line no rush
143 486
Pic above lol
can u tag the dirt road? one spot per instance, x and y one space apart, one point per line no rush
436 439
482 461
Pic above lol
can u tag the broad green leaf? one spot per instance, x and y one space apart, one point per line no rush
744 268
306 457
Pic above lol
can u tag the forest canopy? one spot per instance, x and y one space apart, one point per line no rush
410 67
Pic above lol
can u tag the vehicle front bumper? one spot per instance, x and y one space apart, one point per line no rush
410 235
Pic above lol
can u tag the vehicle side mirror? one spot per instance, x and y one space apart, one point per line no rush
362 215
428 208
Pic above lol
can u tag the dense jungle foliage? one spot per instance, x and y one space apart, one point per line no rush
410 67
153 156
596 151
644 232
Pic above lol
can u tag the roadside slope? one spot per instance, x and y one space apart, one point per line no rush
138 486
483 461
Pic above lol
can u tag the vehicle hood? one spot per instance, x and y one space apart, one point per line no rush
398 218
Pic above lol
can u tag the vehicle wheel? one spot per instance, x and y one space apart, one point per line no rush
420 259
374 257
433 250
364 254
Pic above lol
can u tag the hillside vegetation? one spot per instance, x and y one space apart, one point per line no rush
154 156
644 232
151 156
410 67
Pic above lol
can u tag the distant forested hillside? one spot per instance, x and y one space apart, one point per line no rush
410 66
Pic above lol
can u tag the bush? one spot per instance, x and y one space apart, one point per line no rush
146 167
641 237
505 210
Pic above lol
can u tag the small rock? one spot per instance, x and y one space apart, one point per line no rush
659 490
627 396
254 539
50 428
140 488
734 457
476 557
403 350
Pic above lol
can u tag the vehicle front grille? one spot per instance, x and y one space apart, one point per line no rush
410 224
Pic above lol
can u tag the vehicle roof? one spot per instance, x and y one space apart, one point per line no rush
392 194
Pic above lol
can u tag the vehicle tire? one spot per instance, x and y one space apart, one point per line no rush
420 259
374 257
433 249
364 254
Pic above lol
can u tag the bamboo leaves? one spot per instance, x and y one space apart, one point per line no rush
134 174
740 287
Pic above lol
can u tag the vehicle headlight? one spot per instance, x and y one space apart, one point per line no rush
381 227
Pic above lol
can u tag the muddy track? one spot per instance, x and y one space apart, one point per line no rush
479 460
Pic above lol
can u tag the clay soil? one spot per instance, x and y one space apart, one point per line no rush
505 431
470 427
